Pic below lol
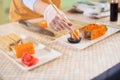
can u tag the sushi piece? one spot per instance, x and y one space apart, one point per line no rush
43 24
22 48
93 31
74 37
29 60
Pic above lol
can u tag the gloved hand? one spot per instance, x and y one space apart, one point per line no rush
54 21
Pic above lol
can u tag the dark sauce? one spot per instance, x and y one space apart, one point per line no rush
71 40
113 11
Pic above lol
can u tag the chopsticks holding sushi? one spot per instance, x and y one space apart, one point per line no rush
71 30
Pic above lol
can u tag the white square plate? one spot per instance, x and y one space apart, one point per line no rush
85 43
43 53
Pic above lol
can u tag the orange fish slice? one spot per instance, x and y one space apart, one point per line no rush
43 24
22 48
75 34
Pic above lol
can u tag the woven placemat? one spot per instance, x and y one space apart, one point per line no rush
74 64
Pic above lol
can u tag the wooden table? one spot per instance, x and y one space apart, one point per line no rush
74 64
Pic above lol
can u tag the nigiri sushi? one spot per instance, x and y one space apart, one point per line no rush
74 37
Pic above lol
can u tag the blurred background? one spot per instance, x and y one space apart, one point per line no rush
4 11
4 8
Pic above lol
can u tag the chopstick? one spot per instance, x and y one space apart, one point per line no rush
56 9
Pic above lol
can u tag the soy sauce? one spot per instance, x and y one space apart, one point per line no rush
113 11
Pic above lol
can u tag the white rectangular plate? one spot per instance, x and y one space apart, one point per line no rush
85 43
43 53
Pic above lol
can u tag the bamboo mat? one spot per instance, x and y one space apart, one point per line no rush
76 25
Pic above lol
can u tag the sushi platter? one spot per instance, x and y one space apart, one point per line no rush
84 43
35 53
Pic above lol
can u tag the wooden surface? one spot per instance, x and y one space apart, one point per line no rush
74 64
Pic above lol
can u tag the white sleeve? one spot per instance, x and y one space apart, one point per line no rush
29 3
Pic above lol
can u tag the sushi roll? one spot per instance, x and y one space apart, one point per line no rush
9 40
16 38
6 43
93 31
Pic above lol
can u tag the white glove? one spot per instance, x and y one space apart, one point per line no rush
55 21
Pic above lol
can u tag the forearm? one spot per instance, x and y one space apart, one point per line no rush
37 6
40 6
